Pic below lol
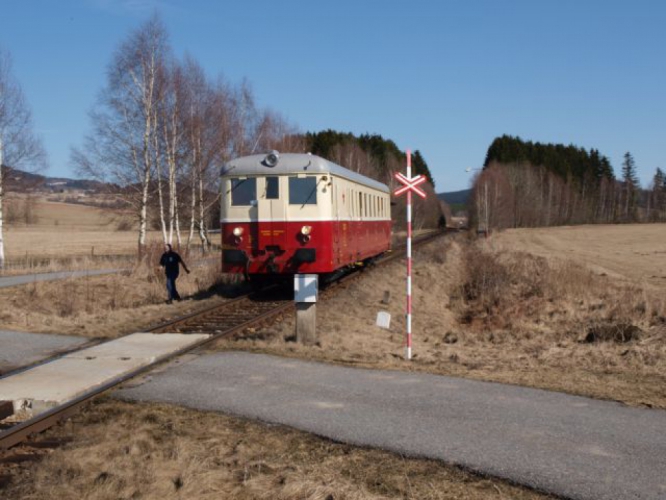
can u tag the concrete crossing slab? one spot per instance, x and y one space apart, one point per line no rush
567 445
66 378
138 346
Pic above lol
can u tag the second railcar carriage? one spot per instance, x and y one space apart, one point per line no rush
299 213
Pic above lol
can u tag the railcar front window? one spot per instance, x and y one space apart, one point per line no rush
272 188
302 191
243 191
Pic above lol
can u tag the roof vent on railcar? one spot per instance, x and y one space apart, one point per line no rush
271 159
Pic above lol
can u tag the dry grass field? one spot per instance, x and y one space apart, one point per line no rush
530 307
487 311
635 253
111 305
123 450
62 229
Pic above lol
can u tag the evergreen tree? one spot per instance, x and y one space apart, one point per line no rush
630 185
565 161
420 167
659 194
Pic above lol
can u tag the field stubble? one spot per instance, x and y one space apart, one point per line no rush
112 305
127 450
483 311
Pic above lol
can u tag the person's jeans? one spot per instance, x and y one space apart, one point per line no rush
171 287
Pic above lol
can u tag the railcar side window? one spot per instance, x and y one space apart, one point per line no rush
302 191
243 191
272 188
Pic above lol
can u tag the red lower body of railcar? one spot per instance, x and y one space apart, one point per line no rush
265 248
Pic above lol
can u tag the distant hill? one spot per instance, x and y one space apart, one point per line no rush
20 181
455 197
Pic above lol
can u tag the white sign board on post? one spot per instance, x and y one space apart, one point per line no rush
305 287
305 296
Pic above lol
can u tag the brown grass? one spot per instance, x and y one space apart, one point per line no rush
496 315
499 310
632 253
158 451
70 230
34 242
111 305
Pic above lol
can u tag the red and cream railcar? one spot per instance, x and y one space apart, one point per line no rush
299 213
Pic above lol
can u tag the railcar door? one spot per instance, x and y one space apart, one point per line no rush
272 217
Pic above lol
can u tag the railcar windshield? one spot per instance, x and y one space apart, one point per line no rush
302 190
243 191
272 188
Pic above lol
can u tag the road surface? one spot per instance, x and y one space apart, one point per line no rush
567 445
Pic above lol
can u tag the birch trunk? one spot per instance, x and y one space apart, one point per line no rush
171 141
143 215
2 199
172 196
160 191
177 217
195 169
160 195
193 208
202 225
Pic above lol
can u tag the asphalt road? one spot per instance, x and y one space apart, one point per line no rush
7 281
22 348
570 446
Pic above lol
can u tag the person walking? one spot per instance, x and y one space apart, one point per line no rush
171 261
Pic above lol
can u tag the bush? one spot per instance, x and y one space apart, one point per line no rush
485 279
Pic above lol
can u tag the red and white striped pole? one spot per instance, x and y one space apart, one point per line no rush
409 184
408 349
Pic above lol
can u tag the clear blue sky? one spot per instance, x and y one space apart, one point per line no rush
444 77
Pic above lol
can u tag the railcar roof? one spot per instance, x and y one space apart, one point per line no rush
295 163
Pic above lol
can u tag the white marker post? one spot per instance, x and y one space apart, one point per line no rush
409 184
306 287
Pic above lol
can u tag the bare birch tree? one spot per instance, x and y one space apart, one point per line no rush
122 144
170 114
19 148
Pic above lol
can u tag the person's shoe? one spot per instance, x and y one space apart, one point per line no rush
169 301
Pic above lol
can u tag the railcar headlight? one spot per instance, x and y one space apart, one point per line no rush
272 159
238 231
306 230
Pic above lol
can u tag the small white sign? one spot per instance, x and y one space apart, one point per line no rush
383 320
305 287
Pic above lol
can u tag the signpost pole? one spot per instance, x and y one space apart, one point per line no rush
409 184
408 348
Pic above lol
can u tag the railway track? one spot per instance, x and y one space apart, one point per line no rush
220 321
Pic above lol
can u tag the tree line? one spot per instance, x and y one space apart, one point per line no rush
162 128
19 146
528 184
378 158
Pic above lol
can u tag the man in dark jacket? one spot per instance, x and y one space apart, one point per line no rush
171 261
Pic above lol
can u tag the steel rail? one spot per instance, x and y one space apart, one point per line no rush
20 432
